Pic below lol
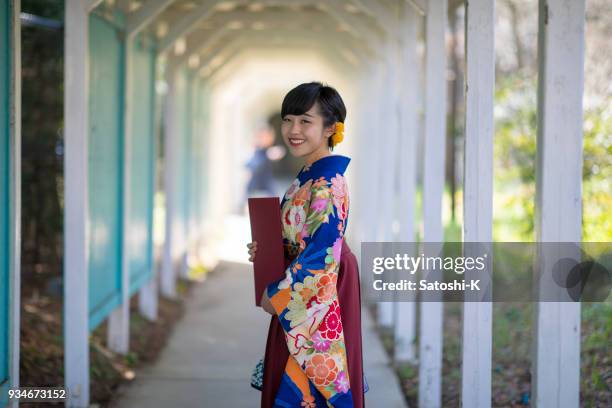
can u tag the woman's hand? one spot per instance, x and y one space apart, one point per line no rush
252 249
266 304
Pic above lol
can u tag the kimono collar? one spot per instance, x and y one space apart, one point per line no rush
335 163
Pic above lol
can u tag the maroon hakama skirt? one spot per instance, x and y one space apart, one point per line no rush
349 298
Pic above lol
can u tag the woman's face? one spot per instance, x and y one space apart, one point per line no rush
305 135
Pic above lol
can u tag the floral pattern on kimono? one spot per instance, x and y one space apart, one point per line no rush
314 215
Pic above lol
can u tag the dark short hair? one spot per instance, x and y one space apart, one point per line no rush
301 98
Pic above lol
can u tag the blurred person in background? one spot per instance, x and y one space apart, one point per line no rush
261 182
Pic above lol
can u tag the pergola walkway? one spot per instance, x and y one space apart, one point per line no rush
209 358
199 75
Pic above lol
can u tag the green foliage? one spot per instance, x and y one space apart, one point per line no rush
406 370
41 144
596 175
598 318
53 9
514 159
515 164
131 359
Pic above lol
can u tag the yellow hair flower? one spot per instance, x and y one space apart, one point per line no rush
339 135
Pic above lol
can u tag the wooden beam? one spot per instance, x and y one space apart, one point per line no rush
556 350
271 23
430 343
236 45
187 23
216 76
288 36
91 4
76 260
419 6
197 44
139 19
478 198
377 11
360 31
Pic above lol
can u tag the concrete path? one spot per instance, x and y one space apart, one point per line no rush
210 356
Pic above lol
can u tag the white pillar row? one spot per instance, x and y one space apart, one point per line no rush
366 129
405 329
199 132
204 178
368 146
478 197
373 157
196 143
431 336
76 265
188 135
381 132
148 295
359 156
118 333
168 276
556 350
387 179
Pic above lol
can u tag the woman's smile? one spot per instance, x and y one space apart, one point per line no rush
295 141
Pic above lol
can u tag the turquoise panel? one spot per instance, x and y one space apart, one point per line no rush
142 164
106 64
5 196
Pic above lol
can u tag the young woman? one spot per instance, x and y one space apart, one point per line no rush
313 352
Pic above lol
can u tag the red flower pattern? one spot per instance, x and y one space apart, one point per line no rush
331 326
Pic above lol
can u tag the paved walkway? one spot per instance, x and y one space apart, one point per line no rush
210 355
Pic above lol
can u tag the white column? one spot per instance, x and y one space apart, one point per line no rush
149 292
478 196
430 342
203 132
76 265
556 352
15 199
168 277
405 329
118 334
389 140
189 129
148 296
369 147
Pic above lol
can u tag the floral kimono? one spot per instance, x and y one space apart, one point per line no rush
314 215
